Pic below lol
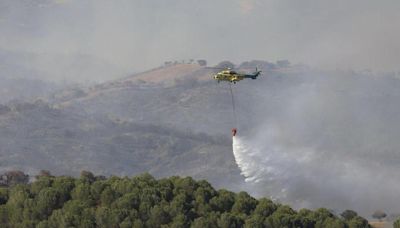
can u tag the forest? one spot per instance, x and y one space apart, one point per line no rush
143 201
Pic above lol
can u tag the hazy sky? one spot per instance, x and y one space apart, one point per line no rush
139 34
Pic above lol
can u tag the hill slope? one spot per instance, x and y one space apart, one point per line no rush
319 134
36 136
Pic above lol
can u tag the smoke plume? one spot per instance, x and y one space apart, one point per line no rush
323 141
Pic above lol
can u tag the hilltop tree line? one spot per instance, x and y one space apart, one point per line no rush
227 64
143 201
200 62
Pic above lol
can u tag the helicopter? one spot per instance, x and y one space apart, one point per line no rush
233 76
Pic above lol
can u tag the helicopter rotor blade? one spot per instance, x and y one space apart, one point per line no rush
218 68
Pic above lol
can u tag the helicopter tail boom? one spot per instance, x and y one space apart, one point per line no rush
254 75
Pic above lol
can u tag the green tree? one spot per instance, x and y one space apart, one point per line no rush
82 193
331 222
143 201
127 223
180 205
265 207
320 216
255 221
358 222
158 216
204 222
284 216
3 195
104 217
228 220
74 214
185 185
166 187
202 62
87 176
107 196
244 203
64 185
123 186
179 221
223 201
4 222
128 201
47 200
225 65
138 224
396 224
15 205
40 183
348 214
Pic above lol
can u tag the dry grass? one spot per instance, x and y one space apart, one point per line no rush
377 224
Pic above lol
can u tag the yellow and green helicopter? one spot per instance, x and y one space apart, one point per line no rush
233 76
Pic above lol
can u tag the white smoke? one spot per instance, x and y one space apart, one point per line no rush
135 35
305 178
319 141
272 165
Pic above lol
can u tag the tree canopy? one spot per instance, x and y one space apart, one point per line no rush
396 224
143 201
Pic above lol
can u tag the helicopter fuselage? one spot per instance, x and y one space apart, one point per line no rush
233 76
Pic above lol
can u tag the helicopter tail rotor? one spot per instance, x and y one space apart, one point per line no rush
256 73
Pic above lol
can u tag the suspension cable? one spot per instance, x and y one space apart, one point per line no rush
233 104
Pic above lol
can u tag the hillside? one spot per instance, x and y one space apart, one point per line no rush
182 96
166 74
65 142
77 128
318 134
179 125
